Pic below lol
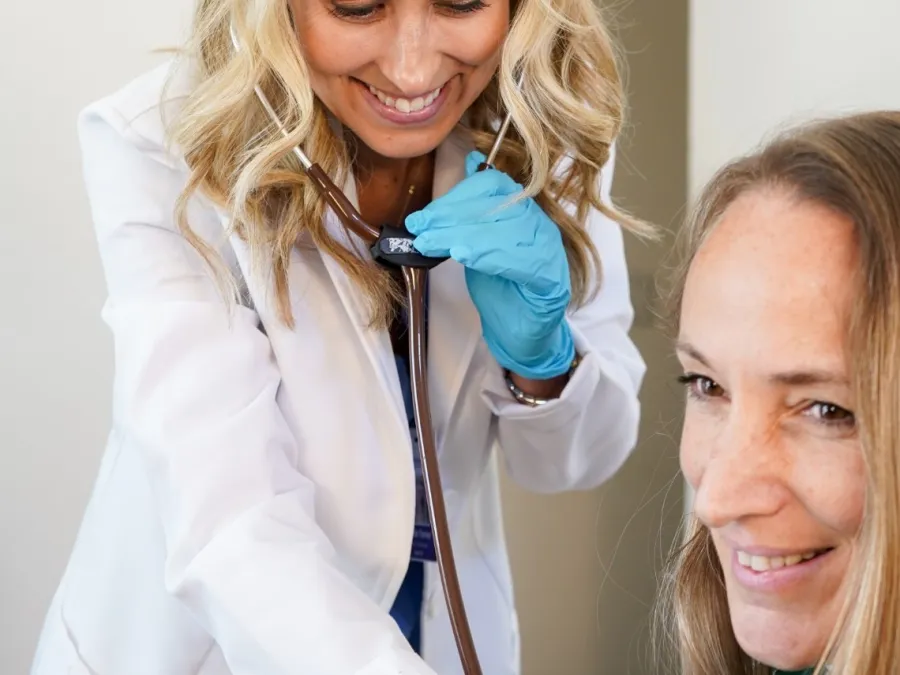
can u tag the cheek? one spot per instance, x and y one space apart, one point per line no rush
835 488
696 439
334 56
330 46
477 42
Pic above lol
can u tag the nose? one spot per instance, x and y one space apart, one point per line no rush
746 471
413 60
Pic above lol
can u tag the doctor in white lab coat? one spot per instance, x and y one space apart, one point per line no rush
254 509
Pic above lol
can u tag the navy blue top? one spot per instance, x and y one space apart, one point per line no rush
407 608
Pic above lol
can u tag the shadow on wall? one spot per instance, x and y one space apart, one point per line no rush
586 565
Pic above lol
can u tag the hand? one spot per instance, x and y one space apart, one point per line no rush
517 272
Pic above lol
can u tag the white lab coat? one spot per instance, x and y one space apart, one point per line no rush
254 507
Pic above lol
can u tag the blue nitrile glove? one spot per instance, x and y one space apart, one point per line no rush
517 272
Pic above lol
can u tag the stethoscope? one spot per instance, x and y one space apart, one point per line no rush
393 247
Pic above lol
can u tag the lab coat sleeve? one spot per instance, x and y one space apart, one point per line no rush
582 438
195 390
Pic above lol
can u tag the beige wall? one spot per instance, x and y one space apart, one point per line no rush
575 619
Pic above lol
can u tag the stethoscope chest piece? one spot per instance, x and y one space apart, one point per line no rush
394 248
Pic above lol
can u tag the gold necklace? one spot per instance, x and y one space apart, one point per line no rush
411 190
404 211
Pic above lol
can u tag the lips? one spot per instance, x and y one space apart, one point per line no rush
777 571
405 112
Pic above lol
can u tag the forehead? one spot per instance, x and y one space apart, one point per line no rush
773 282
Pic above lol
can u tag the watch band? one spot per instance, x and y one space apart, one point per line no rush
528 399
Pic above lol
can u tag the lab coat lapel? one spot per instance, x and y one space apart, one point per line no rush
454 326
454 323
376 342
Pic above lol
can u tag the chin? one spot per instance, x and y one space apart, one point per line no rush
400 148
783 642
787 663
399 143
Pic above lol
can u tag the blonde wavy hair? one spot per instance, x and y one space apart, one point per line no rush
570 108
851 165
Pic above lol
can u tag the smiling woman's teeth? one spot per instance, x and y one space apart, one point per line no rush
405 105
760 563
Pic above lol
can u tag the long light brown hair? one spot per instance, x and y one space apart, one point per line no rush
571 104
851 165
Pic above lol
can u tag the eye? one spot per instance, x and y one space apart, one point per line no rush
463 7
829 413
355 11
361 12
701 387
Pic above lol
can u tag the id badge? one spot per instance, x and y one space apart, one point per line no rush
423 538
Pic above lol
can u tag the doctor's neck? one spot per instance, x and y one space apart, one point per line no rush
367 162
389 188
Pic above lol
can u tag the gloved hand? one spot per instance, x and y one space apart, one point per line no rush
516 271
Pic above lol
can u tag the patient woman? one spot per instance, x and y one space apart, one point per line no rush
788 332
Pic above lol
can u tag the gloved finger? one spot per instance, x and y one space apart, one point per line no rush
498 248
473 160
490 223
440 247
474 212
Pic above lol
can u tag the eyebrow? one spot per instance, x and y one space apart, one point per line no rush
797 378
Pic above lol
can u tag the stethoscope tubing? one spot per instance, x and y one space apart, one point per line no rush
393 247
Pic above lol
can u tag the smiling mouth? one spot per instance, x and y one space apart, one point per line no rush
404 105
759 563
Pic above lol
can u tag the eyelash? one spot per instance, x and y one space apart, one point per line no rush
358 13
691 381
